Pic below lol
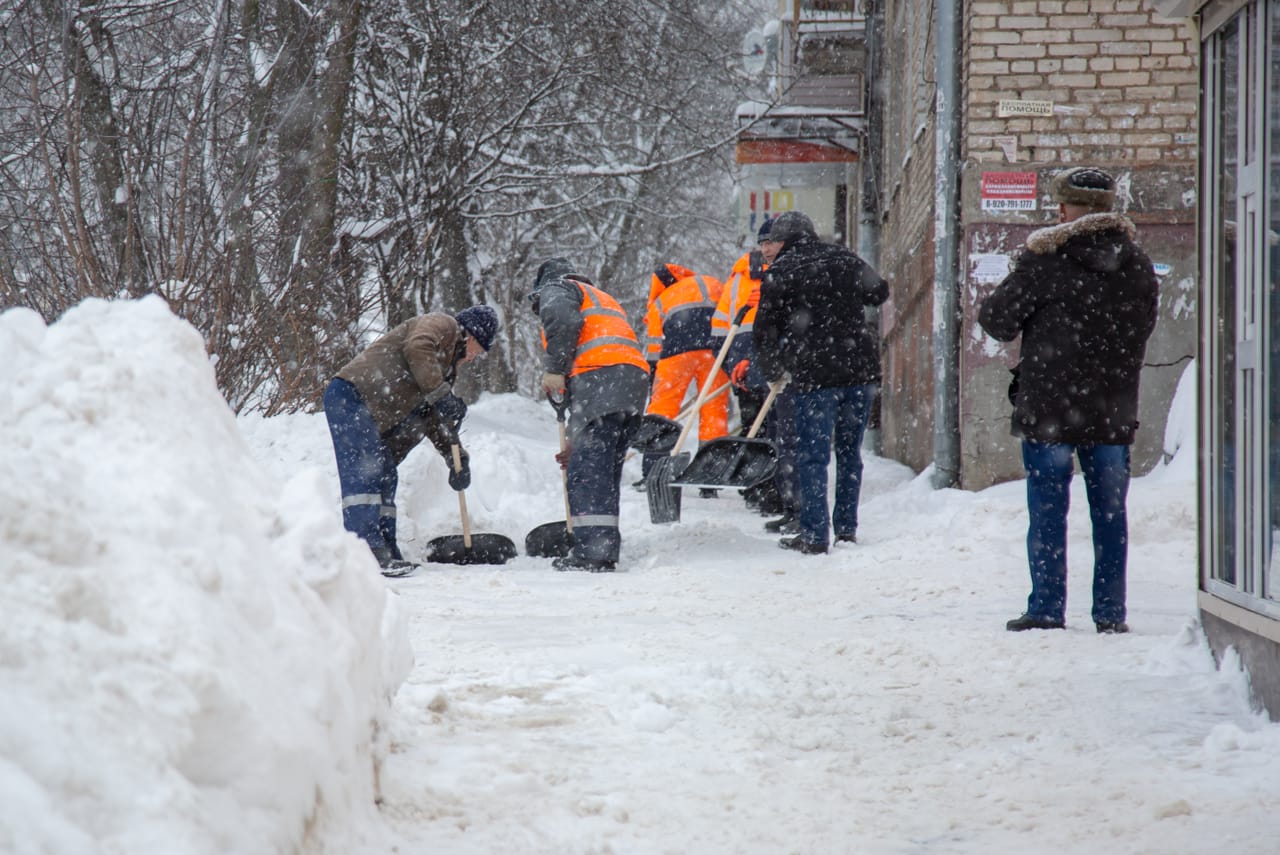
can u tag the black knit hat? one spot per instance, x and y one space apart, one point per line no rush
1086 186
790 226
481 323
762 234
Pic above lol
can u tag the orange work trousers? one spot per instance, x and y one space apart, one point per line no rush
671 381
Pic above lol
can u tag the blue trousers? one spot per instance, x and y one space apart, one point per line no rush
594 477
1106 480
366 469
826 417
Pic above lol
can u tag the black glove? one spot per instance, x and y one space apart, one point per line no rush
451 409
460 479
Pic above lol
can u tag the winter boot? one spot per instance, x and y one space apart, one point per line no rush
1025 622
788 523
392 566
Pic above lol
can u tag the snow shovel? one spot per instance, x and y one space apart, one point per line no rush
664 499
554 539
469 548
734 462
657 434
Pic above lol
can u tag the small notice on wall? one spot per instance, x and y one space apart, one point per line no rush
1008 143
1011 109
988 266
1008 191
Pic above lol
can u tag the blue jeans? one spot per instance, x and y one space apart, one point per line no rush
824 417
1106 480
366 470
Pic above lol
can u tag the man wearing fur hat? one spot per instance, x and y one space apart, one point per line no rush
384 402
1083 297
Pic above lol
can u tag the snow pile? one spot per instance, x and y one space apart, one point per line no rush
193 658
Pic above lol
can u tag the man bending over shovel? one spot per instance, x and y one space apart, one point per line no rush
593 358
388 399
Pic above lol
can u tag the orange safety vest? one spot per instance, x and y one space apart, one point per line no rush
742 289
606 337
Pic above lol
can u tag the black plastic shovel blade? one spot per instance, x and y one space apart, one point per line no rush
549 540
657 435
485 549
664 500
733 462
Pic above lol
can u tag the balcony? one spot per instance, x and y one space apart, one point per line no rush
822 55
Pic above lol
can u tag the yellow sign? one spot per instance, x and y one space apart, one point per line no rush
1007 109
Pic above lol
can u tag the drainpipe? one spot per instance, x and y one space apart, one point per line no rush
869 164
946 232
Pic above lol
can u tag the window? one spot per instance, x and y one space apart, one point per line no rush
827 55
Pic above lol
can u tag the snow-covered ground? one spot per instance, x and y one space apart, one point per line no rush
195 658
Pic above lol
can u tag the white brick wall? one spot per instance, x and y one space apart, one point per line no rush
1123 81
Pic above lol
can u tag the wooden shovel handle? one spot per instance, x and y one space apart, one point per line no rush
705 392
462 498
564 481
774 389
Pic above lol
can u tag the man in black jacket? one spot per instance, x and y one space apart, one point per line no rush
1083 297
810 331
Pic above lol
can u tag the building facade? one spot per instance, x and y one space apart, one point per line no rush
802 149
1040 85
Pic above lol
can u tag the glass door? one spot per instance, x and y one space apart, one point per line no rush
1240 329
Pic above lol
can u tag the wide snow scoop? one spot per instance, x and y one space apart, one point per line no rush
554 539
734 462
658 434
664 499
469 548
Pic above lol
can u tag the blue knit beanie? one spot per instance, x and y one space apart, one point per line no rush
480 322
762 234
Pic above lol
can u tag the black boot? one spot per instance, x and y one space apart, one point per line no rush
785 524
799 544
392 566
1026 622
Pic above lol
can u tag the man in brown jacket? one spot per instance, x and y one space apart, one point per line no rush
388 399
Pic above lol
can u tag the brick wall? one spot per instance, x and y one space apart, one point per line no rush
1124 81
907 240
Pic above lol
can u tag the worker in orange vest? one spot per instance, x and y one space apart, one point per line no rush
593 358
678 326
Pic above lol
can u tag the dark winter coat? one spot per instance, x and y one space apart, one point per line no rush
1083 297
810 322
402 375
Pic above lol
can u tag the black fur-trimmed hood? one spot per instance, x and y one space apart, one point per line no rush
1099 242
